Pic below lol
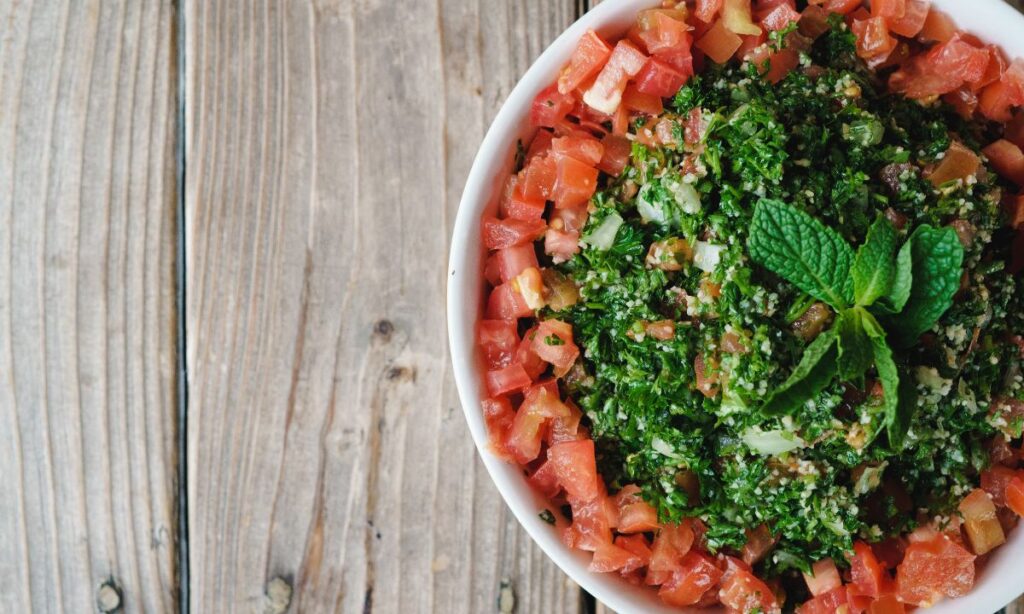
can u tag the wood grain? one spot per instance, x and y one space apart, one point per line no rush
329 465
88 235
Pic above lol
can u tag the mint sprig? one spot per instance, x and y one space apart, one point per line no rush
908 290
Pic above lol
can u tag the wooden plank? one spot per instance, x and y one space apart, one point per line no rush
329 466
88 244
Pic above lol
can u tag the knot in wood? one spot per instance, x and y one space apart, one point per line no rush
108 597
383 329
279 596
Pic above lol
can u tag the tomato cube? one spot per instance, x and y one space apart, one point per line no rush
779 17
498 339
760 542
635 100
1007 159
617 150
843 7
696 575
937 28
550 107
500 234
827 603
671 544
1015 495
537 180
888 9
576 468
662 29
589 57
575 182
994 481
544 481
887 604
609 557
635 514
742 591
504 303
661 79
980 521
512 378
520 207
553 343
606 92
719 43
707 9
873 39
959 162
636 544
868 575
498 416
934 569
514 260
912 21
824 577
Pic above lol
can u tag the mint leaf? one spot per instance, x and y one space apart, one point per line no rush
936 259
803 251
896 298
888 375
816 369
855 349
874 268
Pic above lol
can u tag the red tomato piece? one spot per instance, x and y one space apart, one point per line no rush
491 273
743 592
707 9
606 92
534 365
590 525
520 207
779 17
585 149
498 416
719 43
934 569
814 21
994 71
828 603
997 99
569 219
963 100
544 481
550 107
1015 495
576 468
843 7
706 376
505 303
661 30
540 144
914 16
873 39
635 514
617 150
1007 159
635 100
575 182
589 57
609 557
514 260
696 575
938 27
553 342
561 245
824 578
512 378
887 604
498 339
658 78
760 541
868 575
567 427
500 234
636 544
538 178
889 9
749 44
671 544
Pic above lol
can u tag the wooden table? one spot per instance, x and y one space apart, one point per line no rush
224 382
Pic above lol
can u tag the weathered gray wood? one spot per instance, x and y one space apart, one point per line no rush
88 235
328 143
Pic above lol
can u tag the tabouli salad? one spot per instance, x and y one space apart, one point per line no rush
754 313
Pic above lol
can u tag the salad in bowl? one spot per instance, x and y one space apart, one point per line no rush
752 326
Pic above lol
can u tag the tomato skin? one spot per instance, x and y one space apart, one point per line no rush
827 603
868 575
617 150
696 575
590 55
719 43
550 107
507 379
505 303
659 78
1007 159
933 569
498 339
1015 494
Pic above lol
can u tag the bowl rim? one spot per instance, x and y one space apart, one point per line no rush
994 21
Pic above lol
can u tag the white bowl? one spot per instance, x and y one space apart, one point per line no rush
992 20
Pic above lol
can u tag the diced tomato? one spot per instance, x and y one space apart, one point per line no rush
520 207
491 273
570 219
887 604
888 9
617 150
505 303
943 69
589 57
760 541
635 100
567 427
868 575
749 44
980 522
662 29
959 162
780 63
707 9
1007 159
706 373
530 285
890 551
561 245
508 379
671 543
545 481
964 100
498 339
553 342
498 416
814 21
827 603
873 39
534 365
1015 495
934 569
635 514
824 577
540 144
659 78
590 524
994 481
550 107
609 557
695 576
500 234
719 43
743 592
778 17
736 17
575 182
938 27
585 149
636 544
538 178
514 260
997 65
914 16
606 92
